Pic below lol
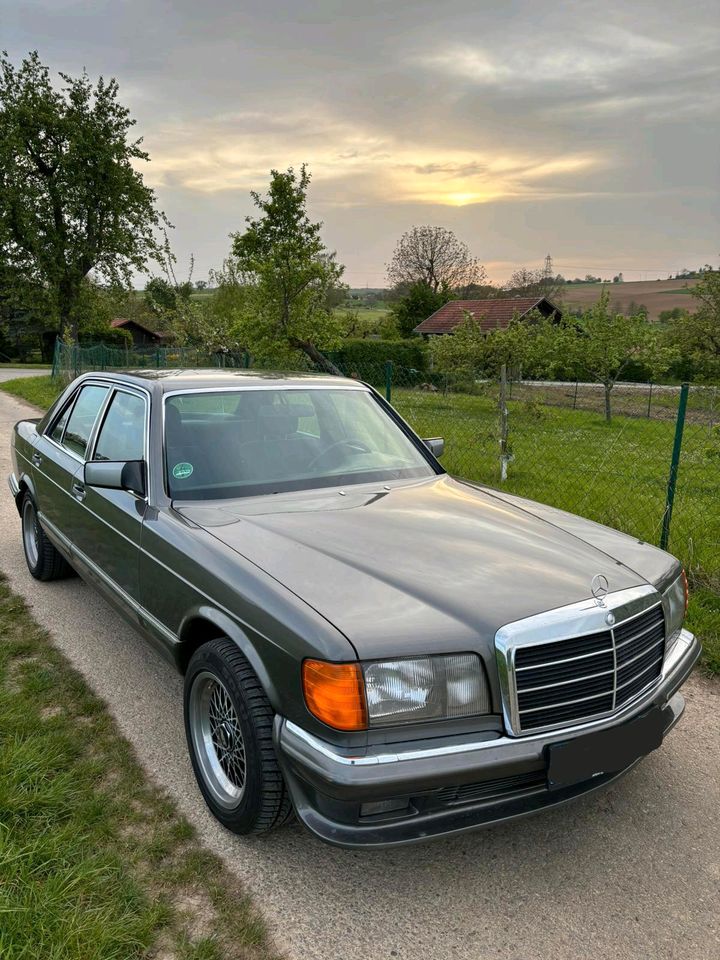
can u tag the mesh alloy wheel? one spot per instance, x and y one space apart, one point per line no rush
217 739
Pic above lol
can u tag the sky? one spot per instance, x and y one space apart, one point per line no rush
587 131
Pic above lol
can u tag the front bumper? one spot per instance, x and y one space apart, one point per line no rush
451 784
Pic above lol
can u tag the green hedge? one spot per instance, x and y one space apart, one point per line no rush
357 354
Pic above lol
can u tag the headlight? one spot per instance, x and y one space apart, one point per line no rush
354 696
425 688
675 600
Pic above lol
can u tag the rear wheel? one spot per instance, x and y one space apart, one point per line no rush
43 560
228 724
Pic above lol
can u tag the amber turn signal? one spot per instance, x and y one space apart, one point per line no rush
335 693
686 588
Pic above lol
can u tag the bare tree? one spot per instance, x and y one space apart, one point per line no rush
435 256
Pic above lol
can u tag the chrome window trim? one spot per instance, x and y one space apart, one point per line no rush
574 620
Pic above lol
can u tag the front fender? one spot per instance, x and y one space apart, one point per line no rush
190 636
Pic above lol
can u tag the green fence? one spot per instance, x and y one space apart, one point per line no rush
70 361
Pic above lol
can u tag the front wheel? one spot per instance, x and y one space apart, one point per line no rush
43 560
228 725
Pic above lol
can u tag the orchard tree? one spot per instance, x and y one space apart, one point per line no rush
417 305
697 335
71 198
434 256
288 275
601 344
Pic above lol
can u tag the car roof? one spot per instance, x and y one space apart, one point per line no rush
173 380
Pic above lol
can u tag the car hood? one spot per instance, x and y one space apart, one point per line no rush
423 566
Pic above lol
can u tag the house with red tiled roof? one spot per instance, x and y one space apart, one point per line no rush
141 336
490 314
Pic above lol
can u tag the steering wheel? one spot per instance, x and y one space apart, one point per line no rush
356 445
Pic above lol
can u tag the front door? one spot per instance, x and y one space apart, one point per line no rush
110 528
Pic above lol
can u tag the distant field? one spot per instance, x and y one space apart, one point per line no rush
656 295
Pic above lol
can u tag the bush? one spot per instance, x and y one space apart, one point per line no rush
362 354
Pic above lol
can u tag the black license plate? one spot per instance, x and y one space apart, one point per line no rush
606 751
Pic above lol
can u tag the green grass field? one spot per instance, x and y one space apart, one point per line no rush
613 473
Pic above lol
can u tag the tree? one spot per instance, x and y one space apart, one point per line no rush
288 275
434 256
697 335
601 343
71 198
417 305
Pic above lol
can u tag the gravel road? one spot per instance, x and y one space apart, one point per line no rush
12 373
631 872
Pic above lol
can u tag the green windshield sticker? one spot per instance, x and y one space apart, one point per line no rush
181 471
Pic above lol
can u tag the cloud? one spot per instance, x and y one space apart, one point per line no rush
350 164
526 127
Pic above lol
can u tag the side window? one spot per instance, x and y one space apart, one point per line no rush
122 435
82 418
57 430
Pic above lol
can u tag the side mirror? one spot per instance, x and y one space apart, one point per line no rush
436 446
117 475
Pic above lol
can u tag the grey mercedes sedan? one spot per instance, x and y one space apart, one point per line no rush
389 652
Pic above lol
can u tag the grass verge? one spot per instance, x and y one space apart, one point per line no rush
42 391
613 473
95 862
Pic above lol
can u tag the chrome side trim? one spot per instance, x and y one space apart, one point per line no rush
312 744
121 594
14 485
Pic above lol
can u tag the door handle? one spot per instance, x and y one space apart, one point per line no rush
37 459
78 491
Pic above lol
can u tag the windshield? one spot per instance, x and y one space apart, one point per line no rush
246 442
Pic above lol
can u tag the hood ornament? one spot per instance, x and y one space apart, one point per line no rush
599 587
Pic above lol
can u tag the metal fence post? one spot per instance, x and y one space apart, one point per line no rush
503 423
56 358
650 400
674 464
388 380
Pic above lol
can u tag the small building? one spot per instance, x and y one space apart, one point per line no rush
490 314
141 336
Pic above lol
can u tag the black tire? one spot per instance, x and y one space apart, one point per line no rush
218 672
43 560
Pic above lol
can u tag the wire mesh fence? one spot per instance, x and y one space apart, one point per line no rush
70 360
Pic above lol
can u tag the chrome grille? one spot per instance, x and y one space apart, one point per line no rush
574 679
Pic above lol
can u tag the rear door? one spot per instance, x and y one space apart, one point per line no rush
110 527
